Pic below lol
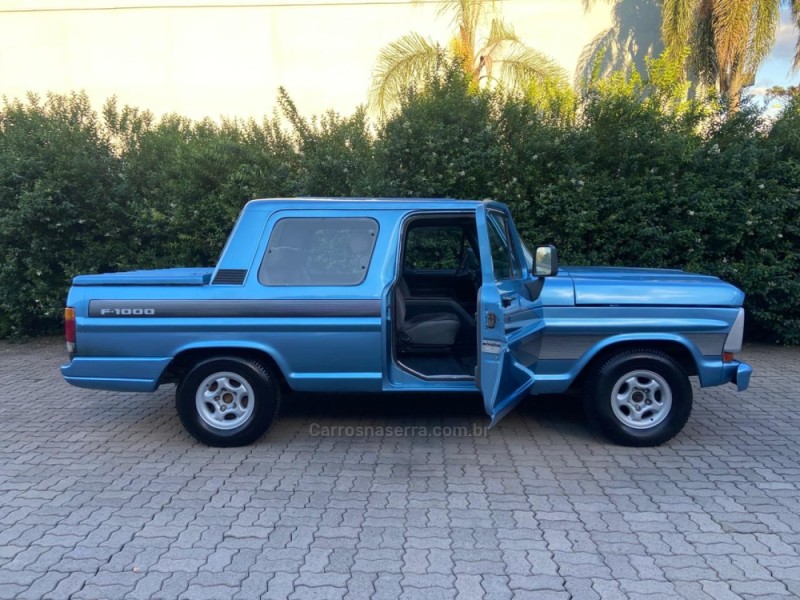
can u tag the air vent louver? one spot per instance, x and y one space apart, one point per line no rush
230 277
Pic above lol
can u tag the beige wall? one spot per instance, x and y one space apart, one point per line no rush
230 61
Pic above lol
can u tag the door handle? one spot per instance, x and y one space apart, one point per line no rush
506 301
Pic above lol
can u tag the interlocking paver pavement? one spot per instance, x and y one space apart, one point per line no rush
103 495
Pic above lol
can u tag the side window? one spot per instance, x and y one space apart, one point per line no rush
319 251
433 248
504 260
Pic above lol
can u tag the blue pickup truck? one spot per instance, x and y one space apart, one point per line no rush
382 295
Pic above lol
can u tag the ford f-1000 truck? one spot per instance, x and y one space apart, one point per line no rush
380 295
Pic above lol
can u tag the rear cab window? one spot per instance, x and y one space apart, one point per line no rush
317 251
433 248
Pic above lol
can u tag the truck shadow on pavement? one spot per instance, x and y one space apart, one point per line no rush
559 413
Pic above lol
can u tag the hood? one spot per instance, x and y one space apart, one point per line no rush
191 276
664 287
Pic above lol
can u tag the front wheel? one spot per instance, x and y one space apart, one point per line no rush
227 401
638 398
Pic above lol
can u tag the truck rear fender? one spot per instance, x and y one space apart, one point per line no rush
193 353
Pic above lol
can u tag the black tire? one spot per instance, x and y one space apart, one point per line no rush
242 377
660 377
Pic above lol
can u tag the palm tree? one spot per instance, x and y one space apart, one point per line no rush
729 39
498 58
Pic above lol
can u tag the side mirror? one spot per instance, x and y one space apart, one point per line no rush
545 261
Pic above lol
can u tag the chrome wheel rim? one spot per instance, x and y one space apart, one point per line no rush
641 399
225 400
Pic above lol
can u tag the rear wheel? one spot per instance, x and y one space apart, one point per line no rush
227 401
638 398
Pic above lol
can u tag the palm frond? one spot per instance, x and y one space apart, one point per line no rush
464 14
796 17
732 21
500 35
400 64
703 56
502 40
677 21
501 32
765 18
521 66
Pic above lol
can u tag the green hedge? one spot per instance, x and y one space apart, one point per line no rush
629 181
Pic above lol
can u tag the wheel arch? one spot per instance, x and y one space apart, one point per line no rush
190 356
677 347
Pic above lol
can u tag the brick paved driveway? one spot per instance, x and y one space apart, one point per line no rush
103 495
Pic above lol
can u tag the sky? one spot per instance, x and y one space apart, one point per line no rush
228 57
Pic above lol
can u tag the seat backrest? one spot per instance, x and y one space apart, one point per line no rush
400 311
403 287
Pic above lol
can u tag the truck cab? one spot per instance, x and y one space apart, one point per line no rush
386 295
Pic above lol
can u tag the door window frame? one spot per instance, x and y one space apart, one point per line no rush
517 268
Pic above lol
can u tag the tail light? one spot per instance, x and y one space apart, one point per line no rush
69 329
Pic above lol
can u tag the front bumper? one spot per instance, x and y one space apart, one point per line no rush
734 372
741 377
